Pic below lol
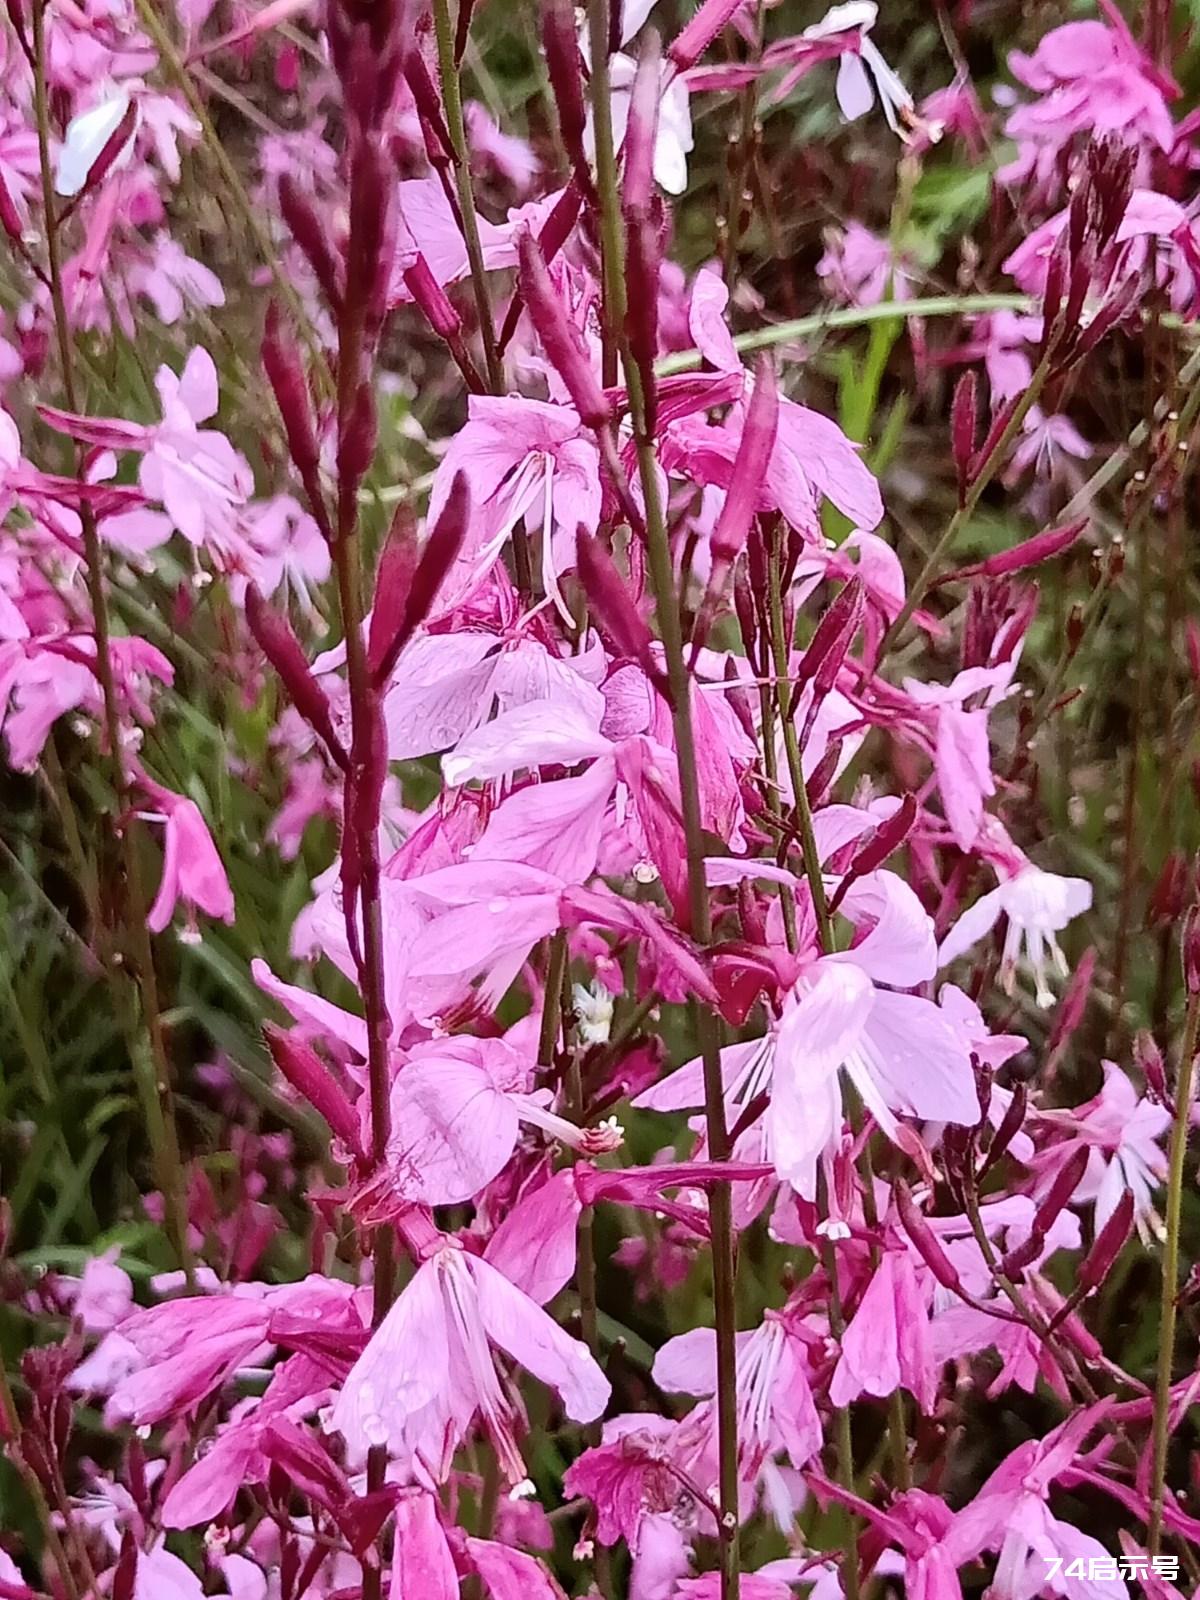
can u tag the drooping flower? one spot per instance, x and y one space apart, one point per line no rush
463 1308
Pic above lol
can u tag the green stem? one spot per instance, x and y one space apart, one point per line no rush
448 71
1170 1273
152 1069
961 305
666 599
612 265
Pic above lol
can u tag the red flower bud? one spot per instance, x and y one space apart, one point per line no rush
405 605
962 429
742 496
1107 1246
613 607
561 340
834 635
695 39
926 1242
307 1074
279 644
566 81
1010 1126
307 229
1062 1190
1148 1058
281 361
432 299
1029 553
641 128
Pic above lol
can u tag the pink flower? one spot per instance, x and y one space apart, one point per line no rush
457 1105
1011 1514
887 1342
1123 1133
812 458
961 756
192 870
1038 906
774 1398
194 473
524 461
462 1307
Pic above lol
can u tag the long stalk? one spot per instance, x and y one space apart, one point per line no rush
666 600
363 829
152 1069
448 71
1170 1272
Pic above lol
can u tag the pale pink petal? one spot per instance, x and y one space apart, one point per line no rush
523 1329
535 1244
395 1377
452 1130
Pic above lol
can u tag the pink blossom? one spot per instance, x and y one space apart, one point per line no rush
421 1410
192 869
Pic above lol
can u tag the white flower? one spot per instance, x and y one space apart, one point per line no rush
1038 906
86 136
594 1012
857 86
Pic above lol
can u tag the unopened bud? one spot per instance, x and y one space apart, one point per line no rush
307 229
561 340
1191 951
692 41
1149 1060
398 624
1067 1179
962 429
279 644
1108 1244
925 1241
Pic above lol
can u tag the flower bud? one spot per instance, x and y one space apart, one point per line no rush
641 128
923 1237
1062 1190
561 48
561 340
393 584
429 295
1010 1126
693 40
307 229
281 361
834 635
1107 1246
742 496
1148 1058
399 621
613 607
1191 951
962 429
279 644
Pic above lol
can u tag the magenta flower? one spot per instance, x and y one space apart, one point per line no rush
887 1342
1011 1515
194 473
192 870
462 1307
524 462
